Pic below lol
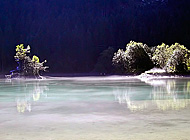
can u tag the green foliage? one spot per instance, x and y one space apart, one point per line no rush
135 59
188 64
120 61
138 57
21 52
175 58
160 56
35 59
26 65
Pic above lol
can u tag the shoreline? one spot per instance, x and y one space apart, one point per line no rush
153 74
143 75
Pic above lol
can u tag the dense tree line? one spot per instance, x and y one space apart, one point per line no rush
71 34
138 58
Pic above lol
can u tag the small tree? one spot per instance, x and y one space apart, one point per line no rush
160 56
135 59
173 59
120 61
26 65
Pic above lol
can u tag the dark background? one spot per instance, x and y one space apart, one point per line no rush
72 34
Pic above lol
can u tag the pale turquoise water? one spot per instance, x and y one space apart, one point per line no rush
94 108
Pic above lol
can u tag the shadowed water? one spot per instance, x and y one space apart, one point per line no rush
95 108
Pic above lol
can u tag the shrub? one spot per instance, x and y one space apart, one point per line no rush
173 59
160 56
135 59
26 65
178 59
120 61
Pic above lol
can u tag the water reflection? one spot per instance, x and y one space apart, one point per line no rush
136 95
23 105
163 95
173 95
123 97
30 92
172 104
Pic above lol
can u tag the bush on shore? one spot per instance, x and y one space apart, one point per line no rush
135 59
138 57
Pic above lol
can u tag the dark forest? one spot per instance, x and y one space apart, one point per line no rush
72 34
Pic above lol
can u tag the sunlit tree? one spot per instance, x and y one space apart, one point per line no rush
174 58
26 65
135 59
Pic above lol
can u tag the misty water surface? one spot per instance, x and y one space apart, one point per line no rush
97 105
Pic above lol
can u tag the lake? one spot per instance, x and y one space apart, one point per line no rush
95 108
